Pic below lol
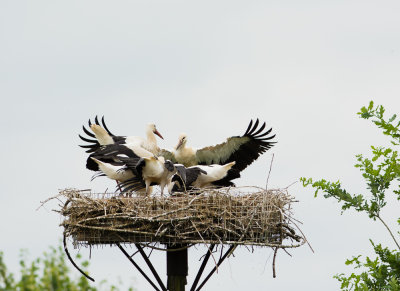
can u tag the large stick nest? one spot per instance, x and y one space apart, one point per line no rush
243 216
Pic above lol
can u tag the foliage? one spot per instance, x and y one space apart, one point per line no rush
380 172
49 272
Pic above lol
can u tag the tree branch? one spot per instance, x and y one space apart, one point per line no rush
387 227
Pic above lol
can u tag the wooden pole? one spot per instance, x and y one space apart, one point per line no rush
177 267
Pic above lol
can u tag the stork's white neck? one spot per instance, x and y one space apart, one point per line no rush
151 137
151 142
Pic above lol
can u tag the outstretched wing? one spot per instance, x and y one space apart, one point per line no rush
167 155
112 153
93 143
244 149
133 184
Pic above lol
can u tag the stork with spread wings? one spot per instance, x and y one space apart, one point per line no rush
102 136
243 150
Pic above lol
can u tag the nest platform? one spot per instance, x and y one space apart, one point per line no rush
238 216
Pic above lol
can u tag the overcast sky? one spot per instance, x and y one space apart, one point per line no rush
205 68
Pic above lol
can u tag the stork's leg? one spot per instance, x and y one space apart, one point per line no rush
148 188
119 187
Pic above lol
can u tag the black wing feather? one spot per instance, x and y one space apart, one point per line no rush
94 144
139 167
88 132
254 142
226 181
181 172
250 124
109 154
97 174
260 130
253 128
186 177
87 139
105 127
192 174
133 184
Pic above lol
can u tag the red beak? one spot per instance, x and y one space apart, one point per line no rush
159 134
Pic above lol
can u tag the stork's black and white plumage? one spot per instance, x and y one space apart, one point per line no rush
111 154
148 171
243 150
201 176
93 142
102 136
115 171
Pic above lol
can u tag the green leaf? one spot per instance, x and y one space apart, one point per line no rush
371 105
381 171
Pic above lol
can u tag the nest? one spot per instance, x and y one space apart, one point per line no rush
241 216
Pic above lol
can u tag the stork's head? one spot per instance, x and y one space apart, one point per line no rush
152 128
181 141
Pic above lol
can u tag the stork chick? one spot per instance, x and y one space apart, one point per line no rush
183 154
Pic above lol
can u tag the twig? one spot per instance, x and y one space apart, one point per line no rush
291 184
387 227
48 199
244 233
270 167
306 240
286 252
215 262
273 263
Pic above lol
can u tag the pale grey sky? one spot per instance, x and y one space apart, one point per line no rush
205 68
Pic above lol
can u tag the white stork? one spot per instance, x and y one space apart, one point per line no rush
107 161
103 136
210 176
148 171
119 172
243 150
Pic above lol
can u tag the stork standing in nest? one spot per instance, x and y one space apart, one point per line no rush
106 161
105 146
149 171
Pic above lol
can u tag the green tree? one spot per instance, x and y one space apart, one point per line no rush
49 272
382 174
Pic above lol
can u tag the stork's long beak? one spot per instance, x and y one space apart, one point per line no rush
159 134
179 144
